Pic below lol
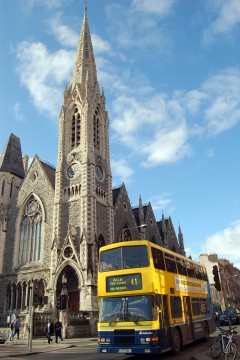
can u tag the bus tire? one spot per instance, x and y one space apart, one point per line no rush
206 332
177 342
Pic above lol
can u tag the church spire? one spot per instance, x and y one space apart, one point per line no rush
85 72
181 240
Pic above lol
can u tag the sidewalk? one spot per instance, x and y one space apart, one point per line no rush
19 348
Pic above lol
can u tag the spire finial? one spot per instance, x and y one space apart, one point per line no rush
85 6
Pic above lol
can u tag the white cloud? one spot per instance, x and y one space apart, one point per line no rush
159 127
18 113
100 45
223 109
63 33
167 145
121 170
226 243
228 17
44 73
158 7
154 128
161 201
140 28
27 5
193 100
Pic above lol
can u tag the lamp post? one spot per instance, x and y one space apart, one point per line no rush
143 226
30 323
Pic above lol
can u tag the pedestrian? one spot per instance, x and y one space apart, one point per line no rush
17 327
49 330
12 330
58 331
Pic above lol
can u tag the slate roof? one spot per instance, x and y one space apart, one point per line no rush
50 171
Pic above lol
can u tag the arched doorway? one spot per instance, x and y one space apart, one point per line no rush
68 284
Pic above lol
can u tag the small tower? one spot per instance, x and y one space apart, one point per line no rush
11 177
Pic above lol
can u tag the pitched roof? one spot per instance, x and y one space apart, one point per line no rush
50 172
115 193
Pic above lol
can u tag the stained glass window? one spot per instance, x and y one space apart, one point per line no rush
30 233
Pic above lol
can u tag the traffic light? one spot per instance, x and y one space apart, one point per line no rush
216 278
63 302
58 302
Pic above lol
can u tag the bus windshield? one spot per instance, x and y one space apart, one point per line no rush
127 257
132 308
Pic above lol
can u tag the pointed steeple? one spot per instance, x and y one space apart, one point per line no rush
141 212
85 67
11 159
164 228
164 231
181 240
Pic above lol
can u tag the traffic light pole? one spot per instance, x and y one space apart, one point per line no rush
225 297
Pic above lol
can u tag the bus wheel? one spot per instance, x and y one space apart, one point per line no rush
206 332
177 344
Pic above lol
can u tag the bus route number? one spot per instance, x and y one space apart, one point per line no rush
124 283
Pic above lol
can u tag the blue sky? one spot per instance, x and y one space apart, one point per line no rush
171 75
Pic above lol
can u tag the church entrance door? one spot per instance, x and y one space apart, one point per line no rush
67 284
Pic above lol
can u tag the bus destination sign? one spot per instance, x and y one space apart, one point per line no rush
124 283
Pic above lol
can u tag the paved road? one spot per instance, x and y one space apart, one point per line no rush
88 351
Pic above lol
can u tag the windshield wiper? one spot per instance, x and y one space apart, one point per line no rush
115 316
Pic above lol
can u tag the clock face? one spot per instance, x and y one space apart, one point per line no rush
73 170
99 173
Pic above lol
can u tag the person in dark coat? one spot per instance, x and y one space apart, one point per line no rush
58 331
17 327
49 330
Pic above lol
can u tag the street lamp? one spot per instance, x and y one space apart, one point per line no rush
143 226
30 323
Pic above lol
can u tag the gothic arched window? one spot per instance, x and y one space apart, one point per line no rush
30 233
96 129
11 187
3 185
76 128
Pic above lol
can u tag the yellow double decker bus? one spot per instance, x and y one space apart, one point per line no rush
151 300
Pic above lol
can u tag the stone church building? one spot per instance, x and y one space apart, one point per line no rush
54 220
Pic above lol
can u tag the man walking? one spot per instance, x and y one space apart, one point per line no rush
58 331
49 330
17 327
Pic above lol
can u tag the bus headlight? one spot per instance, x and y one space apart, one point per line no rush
103 340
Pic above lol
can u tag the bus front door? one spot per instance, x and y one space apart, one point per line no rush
164 321
188 317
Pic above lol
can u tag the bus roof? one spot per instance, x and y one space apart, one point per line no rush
147 243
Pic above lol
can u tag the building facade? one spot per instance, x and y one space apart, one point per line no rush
229 277
53 221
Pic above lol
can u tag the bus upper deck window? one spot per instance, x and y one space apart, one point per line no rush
158 260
